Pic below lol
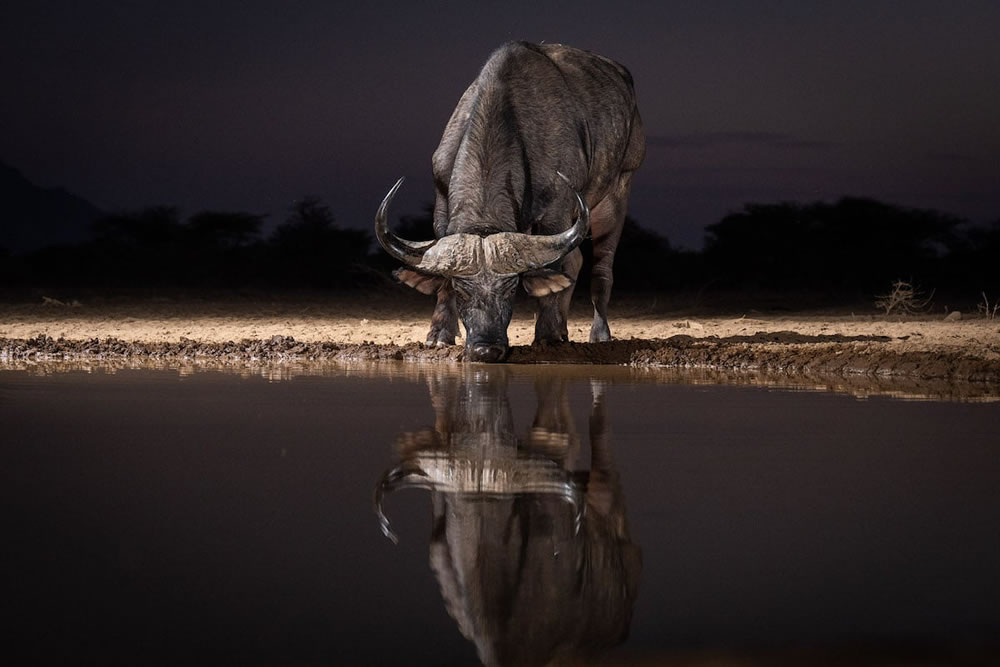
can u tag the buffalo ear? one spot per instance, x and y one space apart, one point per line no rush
421 282
544 282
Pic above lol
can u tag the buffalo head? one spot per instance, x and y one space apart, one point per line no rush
483 272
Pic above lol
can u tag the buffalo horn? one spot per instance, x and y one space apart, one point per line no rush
408 252
453 255
401 476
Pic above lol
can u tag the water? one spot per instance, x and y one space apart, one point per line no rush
209 516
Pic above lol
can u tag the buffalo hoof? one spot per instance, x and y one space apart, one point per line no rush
487 353
600 332
439 339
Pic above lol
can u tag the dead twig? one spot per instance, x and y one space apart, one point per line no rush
904 298
988 310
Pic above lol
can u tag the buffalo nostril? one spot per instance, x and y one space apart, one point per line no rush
487 353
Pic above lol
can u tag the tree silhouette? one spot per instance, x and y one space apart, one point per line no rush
975 262
853 244
141 230
309 249
221 249
222 231
137 248
852 248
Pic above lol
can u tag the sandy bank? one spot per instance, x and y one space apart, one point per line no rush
282 330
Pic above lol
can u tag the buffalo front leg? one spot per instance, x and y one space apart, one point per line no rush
607 221
553 310
444 321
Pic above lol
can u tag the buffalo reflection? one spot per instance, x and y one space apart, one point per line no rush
535 561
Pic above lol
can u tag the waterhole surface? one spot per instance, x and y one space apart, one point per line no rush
190 516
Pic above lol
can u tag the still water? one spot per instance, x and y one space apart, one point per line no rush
540 512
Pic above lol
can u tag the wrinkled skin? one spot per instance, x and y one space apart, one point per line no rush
535 561
533 111
485 304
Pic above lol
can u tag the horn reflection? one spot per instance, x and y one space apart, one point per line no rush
533 557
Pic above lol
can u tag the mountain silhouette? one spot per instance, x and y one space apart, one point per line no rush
32 217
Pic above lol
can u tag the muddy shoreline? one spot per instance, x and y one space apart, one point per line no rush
786 353
922 355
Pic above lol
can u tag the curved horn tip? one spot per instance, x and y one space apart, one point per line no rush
408 252
392 193
388 533
383 520
584 209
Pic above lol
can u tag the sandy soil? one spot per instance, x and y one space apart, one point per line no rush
380 327
392 321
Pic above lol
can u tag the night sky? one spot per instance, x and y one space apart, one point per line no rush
251 105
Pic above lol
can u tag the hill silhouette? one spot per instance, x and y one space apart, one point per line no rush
35 217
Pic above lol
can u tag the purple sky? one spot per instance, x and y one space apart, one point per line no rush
251 105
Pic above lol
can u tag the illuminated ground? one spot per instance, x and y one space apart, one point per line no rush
317 327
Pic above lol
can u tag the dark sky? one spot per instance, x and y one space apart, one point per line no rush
251 105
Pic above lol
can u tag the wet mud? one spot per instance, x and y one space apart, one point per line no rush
784 352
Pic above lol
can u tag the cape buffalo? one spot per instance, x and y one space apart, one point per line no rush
540 148
535 561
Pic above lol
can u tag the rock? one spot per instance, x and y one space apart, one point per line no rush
953 316
688 324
